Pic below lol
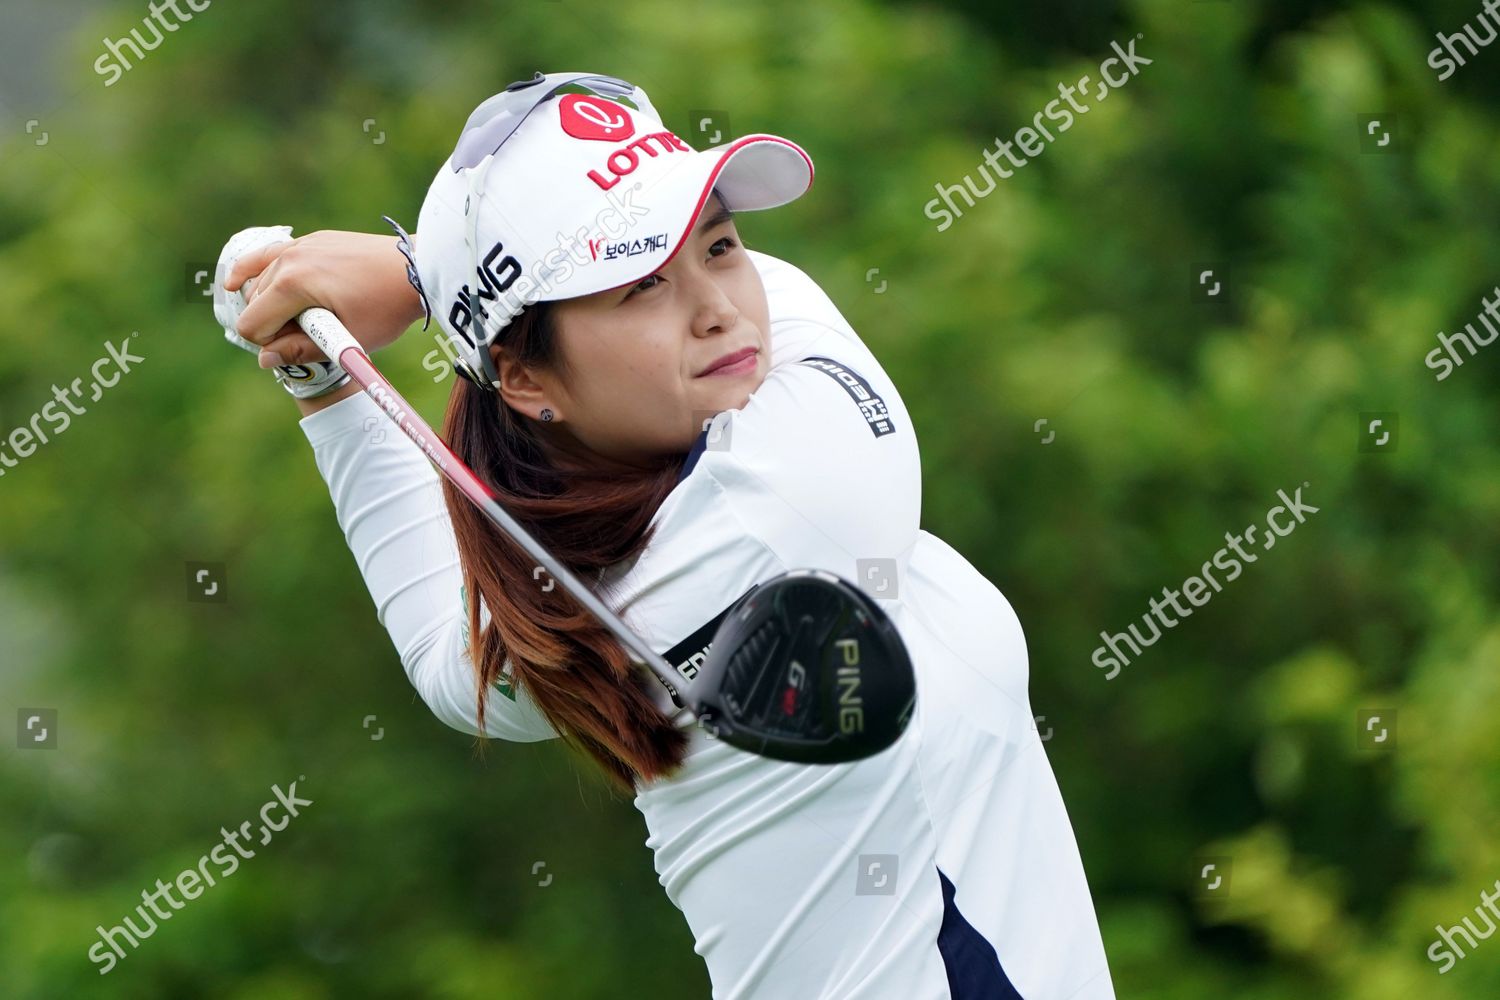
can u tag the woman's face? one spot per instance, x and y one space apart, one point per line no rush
635 387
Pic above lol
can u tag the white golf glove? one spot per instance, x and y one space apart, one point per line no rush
303 381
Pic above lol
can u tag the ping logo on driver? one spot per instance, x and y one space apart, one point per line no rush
851 705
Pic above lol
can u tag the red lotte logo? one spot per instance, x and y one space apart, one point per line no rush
586 117
623 161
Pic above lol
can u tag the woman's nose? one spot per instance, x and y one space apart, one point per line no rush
715 310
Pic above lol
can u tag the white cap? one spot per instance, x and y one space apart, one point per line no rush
583 194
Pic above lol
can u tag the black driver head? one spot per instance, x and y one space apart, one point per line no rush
806 668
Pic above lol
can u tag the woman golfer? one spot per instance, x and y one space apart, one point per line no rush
678 419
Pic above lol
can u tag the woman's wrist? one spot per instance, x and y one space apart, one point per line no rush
311 406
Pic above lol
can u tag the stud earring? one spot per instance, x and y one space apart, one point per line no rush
546 415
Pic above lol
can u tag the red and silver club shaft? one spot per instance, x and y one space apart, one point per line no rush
335 341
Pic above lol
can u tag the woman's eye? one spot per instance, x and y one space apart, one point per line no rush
725 244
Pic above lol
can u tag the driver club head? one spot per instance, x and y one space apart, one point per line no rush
806 668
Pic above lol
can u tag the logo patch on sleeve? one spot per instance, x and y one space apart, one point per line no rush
503 683
871 406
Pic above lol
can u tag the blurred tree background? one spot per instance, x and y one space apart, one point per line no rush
1068 294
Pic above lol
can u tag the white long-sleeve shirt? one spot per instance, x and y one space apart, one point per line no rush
943 867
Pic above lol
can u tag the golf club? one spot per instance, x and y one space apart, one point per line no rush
805 667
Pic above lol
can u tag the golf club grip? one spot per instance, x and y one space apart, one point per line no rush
327 331
335 340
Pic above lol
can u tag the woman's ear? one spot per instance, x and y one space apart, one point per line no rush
517 385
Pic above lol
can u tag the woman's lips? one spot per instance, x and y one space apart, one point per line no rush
740 367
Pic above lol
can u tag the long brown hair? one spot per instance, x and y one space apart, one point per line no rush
576 672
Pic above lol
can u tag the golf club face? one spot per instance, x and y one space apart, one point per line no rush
806 668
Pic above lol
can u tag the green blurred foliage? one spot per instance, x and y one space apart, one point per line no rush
1065 295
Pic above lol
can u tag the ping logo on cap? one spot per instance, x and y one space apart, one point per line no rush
587 117
494 278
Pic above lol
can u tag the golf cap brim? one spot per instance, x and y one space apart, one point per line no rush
752 173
